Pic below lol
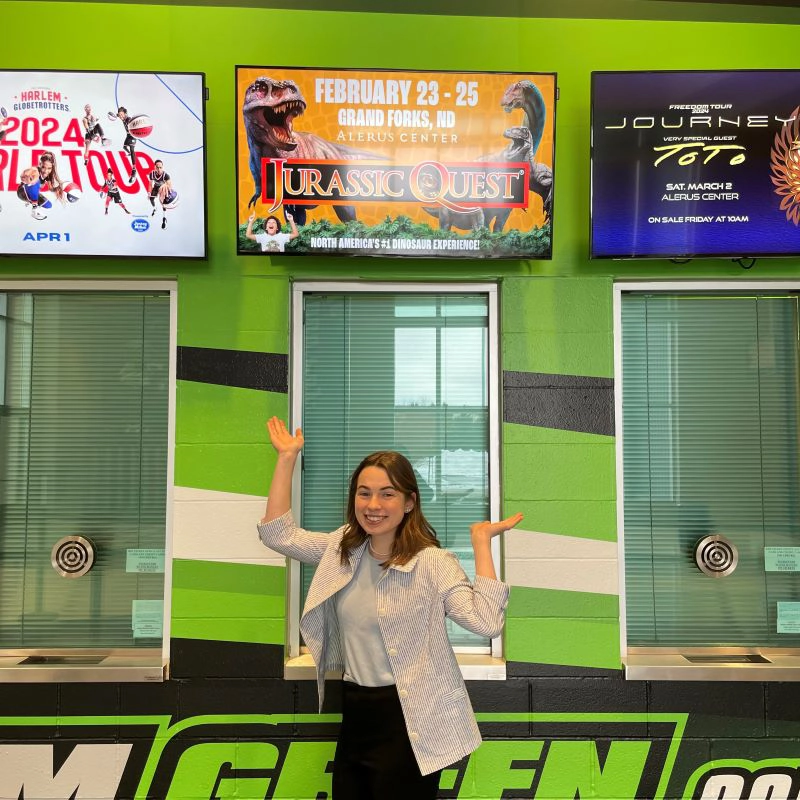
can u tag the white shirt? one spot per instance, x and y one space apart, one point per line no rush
272 244
413 602
365 659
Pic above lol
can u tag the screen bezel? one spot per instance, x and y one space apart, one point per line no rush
480 256
135 256
681 257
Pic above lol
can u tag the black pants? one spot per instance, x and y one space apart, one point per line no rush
374 759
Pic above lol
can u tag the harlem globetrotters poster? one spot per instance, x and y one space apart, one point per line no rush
102 164
393 163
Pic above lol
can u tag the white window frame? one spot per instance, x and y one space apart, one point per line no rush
671 663
474 665
148 665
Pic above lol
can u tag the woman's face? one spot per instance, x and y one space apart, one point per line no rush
379 506
45 168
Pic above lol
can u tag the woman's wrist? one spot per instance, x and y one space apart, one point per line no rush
480 540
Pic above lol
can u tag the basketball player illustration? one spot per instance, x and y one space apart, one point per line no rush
92 132
111 192
161 188
129 144
30 191
160 184
48 175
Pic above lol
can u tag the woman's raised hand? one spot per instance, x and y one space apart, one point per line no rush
488 530
279 500
282 440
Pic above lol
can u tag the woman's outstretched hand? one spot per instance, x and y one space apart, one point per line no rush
482 534
488 530
282 440
287 447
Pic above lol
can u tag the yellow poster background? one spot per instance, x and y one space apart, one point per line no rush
477 132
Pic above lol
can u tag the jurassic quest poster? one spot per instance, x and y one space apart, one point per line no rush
394 163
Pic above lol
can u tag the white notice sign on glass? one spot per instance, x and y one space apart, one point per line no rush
782 559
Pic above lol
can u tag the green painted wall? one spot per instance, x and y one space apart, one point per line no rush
556 315
215 39
228 602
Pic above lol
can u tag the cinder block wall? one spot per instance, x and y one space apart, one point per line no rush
565 703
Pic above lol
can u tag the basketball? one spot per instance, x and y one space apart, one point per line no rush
171 200
140 126
72 192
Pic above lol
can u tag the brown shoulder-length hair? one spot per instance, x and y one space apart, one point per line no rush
414 533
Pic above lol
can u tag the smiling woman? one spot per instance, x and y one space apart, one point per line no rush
376 612
382 506
379 507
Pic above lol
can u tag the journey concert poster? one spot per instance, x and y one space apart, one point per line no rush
394 163
102 164
695 164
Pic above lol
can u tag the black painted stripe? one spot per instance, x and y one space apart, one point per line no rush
207 658
268 372
565 402
534 669
766 11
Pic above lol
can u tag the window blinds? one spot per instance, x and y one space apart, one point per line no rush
83 451
406 372
710 441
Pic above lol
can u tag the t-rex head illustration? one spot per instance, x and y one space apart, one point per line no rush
519 149
269 108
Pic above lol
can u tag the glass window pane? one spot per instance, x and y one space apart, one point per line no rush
406 372
710 404
411 306
464 364
84 440
3 338
415 367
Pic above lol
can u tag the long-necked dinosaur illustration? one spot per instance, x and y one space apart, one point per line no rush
525 94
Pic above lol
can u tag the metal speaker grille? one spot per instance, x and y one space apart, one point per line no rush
72 556
716 556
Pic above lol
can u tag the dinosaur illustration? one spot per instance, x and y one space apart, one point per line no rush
526 95
269 110
431 185
517 150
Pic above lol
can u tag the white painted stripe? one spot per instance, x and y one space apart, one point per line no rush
569 563
220 526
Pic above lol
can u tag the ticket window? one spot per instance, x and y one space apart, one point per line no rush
711 529
84 432
411 369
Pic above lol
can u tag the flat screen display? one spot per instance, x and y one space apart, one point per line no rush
102 164
695 164
392 163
